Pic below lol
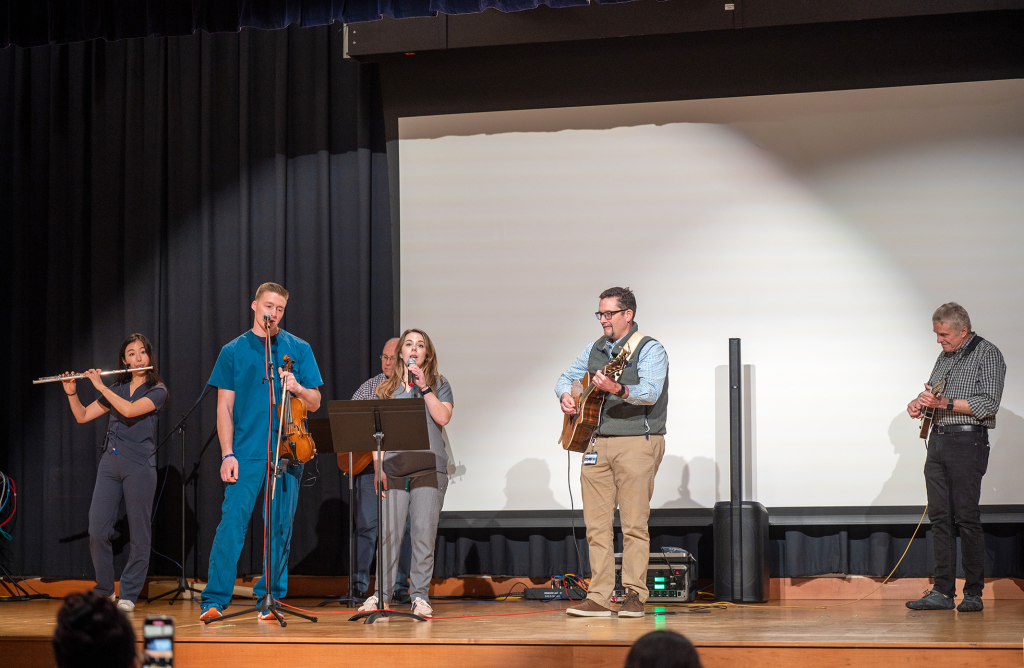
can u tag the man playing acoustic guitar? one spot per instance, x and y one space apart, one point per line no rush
624 454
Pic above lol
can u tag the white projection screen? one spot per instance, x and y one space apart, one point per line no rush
822 229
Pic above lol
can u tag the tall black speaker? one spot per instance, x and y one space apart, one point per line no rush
741 571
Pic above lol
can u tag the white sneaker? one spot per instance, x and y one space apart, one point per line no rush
124 605
370 604
421 608
112 598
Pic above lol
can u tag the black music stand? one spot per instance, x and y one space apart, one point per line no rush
362 426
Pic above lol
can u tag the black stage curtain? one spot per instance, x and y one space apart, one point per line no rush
37 23
875 550
793 552
151 185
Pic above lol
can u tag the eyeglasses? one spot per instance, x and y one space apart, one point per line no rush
388 358
607 315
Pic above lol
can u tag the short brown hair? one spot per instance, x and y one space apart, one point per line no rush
953 315
271 287
625 297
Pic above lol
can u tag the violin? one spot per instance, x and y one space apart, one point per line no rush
296 441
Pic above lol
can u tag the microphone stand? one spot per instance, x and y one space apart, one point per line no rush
183 585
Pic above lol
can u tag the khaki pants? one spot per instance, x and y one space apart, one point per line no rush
623 476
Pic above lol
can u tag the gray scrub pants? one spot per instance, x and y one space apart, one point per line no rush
119 477
422 507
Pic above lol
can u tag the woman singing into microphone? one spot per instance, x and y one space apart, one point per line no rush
415 480
128 466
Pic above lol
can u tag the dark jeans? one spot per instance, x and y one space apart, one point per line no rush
366 537
952 473
120 478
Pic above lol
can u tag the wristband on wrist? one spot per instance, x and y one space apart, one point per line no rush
427 391
621 392
230 454
72 394
949 405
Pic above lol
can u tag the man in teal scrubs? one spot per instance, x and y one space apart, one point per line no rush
244 425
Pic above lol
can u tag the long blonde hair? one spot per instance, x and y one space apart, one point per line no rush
397 376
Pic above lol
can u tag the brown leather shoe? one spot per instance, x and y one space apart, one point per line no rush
631 607
588 608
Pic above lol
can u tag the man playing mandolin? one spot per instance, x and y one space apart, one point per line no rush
242 376
624 454
971 372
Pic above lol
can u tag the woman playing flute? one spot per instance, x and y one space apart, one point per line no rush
127 467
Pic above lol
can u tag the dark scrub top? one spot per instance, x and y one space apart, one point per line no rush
135 437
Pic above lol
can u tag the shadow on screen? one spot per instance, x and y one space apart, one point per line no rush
528 486
1001 483
702 470
906 484
905 487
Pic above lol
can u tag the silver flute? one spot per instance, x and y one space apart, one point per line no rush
57 379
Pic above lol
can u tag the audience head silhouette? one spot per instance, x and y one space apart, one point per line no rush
91 632
662 649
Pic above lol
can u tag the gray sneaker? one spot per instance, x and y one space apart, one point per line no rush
933 600
971 603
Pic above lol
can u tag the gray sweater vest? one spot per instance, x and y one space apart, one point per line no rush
619 417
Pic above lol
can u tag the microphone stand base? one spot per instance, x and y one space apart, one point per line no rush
266 604
373 616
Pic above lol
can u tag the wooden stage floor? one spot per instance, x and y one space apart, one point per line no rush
518 633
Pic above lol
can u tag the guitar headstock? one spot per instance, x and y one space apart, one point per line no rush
615 367
939 388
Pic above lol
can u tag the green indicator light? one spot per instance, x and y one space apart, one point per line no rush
659 586
659 579
657 610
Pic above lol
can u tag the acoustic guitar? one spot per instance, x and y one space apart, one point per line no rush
928 414
360 460
578 429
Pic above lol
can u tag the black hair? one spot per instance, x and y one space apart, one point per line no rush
625 297
92 633
152 376
663 649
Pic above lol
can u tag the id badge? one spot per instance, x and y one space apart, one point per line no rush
590 457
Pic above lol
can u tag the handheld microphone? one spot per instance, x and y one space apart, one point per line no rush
411 363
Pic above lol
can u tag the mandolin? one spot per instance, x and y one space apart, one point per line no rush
578 429
360 460
928 414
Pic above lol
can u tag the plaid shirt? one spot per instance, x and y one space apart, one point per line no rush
977 377
367 389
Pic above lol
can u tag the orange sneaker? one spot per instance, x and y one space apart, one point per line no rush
266 616
210 613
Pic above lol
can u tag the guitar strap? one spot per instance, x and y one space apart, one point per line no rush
633 352
631 345
968 349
